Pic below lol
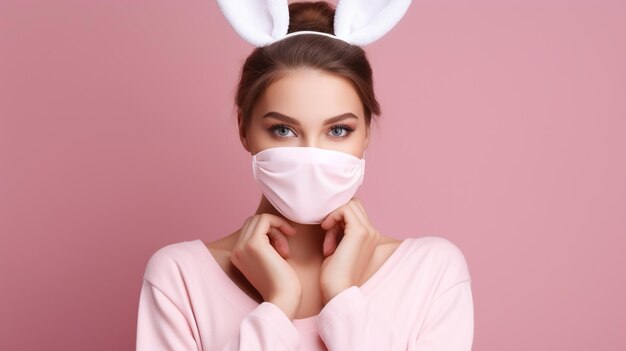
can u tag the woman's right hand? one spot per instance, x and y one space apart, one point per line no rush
260 254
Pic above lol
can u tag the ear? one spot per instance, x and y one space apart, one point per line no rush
258 22
242 132
367 137
363 22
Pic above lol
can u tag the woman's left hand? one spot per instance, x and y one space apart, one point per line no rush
347 260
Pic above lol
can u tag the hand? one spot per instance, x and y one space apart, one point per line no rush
260 254
345 262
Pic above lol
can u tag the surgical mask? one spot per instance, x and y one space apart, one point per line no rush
305 184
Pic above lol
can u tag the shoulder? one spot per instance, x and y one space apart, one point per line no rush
168 264
439 248
439 257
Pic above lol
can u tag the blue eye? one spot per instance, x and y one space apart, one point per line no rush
335 131
281 130
340 130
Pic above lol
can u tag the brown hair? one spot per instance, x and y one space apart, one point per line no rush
269 63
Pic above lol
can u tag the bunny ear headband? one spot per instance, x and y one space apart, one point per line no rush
358 22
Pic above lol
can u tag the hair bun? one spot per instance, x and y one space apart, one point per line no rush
315 16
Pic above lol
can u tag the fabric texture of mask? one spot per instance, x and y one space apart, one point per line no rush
305 184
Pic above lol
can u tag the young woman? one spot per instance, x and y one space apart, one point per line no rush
286 279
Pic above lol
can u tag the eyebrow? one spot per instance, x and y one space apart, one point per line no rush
294 121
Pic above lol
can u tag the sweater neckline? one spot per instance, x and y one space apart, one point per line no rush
232 290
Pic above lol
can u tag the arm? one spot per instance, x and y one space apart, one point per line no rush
161 325
266 328
449 324
166 319
347 322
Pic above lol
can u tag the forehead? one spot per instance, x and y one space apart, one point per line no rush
309 94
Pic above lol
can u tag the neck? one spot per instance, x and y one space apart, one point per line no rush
306 245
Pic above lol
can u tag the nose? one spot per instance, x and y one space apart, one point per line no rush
313 139
310 145
309 142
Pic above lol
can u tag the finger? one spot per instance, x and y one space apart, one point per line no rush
335 234
349 244
333 218
351 219
360 206
358 212
339 237
281 224
280 242
274 228
366 221
333 224
330 241
364 243
249 225
243 239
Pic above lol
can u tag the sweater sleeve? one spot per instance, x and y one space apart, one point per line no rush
449 324
266 328
161 325
348 322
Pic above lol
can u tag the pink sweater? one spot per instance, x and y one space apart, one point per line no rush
419 299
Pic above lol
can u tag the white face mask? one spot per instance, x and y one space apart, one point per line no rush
305 184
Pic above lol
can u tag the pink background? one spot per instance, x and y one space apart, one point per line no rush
503 130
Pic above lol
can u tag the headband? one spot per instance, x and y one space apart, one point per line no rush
357 22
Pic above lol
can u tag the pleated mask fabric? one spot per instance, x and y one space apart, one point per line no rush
305 184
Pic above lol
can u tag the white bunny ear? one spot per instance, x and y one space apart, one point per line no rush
363 22
259 22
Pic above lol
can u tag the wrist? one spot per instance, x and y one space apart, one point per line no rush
288 304
329 293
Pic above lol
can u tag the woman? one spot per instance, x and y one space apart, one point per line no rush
288 280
